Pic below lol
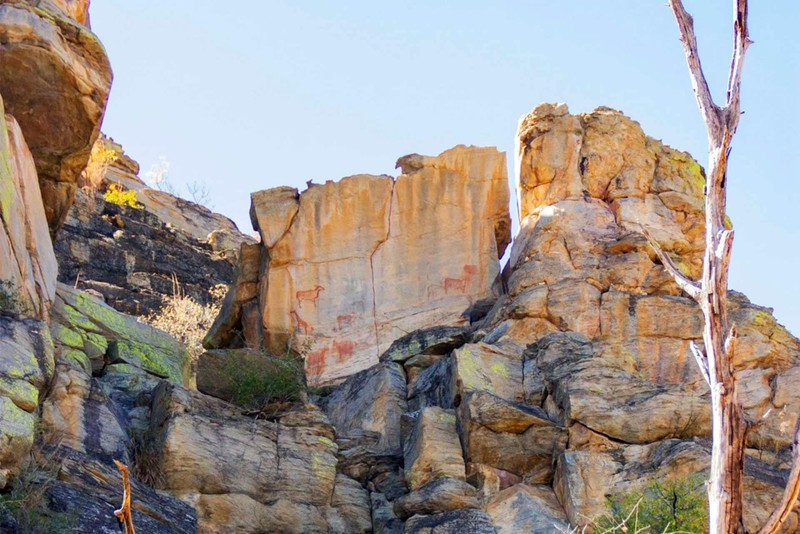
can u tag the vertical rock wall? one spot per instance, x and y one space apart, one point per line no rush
348 267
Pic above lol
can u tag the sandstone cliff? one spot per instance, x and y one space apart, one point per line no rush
55 79
349 267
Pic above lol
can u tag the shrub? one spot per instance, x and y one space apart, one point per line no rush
116 195
256 386
187 320
103 154
679 506
146 467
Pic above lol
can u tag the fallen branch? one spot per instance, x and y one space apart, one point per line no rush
124 512
690 287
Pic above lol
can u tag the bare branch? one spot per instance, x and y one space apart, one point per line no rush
702 361
124 511
690 287
792 492
710 111
741 41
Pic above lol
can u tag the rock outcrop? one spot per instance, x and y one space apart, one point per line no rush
135 256
27 291
349 267
54 79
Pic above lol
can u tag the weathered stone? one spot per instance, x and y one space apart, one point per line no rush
531 509
516 438
27 263
127 340
383 519
439 495
489 480
333 279
371 401
455 522
55 79
639 411
87 490
432 386
26 366
429 341
236 512
482 367
134 258
350 508
431 447
265 461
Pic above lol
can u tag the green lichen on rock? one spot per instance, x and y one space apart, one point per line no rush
21 392
170 366
66 336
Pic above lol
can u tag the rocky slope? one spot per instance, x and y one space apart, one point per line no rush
136 256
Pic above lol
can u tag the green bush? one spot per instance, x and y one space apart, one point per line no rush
277 380
679 506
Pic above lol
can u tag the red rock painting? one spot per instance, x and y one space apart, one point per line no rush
315 362
309 295
343 350
456 285
301 324
343 321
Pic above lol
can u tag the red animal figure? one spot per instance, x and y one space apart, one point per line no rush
343 321
310 295
454 284
315 362
470 270
301 324
343 350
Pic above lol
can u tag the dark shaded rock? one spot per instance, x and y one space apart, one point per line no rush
432 386
440 495
89 490
479 310
455 522
436 340
134 267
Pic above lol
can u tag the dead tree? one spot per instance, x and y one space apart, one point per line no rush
716 358
124 512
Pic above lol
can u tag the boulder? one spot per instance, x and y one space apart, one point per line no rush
26 367
429 341
371 401
455 522
516 438
28 266
531 509
54 78
431 447
483 367
350 511
439 495
334 283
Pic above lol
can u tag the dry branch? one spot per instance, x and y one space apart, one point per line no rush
691 288
124 512
792 492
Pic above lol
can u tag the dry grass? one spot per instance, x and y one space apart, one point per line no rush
187 320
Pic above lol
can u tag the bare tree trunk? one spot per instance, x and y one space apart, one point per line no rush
716 361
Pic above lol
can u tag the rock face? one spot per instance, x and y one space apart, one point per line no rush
134 256
27 290
354 265
54 78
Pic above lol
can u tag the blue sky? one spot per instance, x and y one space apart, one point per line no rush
262 93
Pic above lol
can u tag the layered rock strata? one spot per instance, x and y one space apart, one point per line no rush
137 257
348 267
55 79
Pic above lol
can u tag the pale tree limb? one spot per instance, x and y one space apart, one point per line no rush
690 287
741 40
124 512
702 361
710 111
792 492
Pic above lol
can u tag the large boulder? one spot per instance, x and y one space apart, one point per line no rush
27 263
55 79
248 474
353 265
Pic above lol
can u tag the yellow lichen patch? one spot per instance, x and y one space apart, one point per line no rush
499 369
